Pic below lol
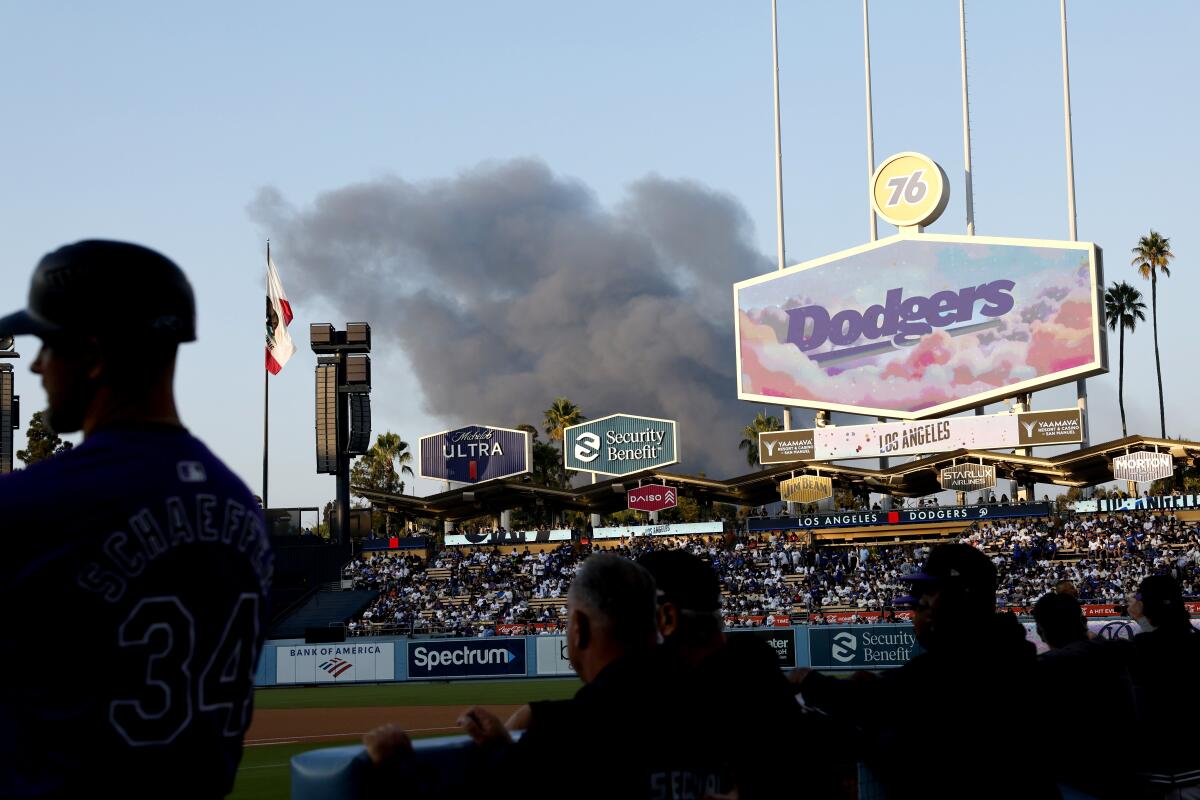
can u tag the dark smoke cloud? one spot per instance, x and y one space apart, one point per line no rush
509 285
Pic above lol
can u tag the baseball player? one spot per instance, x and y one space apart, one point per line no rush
136 566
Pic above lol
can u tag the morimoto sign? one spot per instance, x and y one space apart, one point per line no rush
654 497
620 445
919 326
475 453
1143 467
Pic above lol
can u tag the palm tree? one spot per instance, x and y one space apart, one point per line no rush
761 423
1124 308
391 450
1152 256
561 415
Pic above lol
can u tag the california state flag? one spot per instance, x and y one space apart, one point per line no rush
279 316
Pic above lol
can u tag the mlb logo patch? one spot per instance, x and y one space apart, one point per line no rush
191 472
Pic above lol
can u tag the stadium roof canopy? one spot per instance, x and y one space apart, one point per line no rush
1075 468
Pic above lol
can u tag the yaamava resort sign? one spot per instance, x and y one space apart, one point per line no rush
620 444
921 325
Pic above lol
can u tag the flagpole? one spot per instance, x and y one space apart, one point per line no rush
266 395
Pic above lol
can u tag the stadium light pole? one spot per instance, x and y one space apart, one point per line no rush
779 243
1081 384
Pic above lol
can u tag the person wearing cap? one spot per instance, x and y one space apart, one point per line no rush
1165 666
747 689
146 549
930 727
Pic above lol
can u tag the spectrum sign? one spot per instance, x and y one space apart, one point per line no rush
475 453
620 444
918 326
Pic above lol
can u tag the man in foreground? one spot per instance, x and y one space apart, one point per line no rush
937 726
146 555
635 730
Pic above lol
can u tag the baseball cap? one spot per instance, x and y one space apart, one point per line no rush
684 579
98 286
954 565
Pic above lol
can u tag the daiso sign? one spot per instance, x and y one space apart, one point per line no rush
652 497
918 326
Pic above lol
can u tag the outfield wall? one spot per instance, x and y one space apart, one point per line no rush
289 662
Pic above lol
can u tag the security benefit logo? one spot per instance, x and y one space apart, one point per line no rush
462 659
862 646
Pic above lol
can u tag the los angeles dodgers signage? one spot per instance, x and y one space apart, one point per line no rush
475 453
989 432
620 444
918 326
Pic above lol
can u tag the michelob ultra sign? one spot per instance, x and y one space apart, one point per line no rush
922 325
806 489
967 477
1143 467
475 453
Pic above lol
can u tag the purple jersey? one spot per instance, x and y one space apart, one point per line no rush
135 577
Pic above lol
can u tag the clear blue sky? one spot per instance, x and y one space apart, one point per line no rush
159 123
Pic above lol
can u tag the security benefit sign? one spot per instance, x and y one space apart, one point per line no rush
967 477
921 326
1143 467
652 497
335 663
620 444
475 453
465 658
806 489
861 646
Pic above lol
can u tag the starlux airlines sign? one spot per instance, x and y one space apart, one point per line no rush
620 444
992 432
919 326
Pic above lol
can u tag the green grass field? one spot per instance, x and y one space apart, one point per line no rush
265 770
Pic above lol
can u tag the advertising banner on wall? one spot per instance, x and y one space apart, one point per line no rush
967 477
652 497
620 444
861 646
1165 502
335 663
465 658
668 529
506 538
552 656
806 489
901 516
1143 467
782 642
915 327
991 432
475 453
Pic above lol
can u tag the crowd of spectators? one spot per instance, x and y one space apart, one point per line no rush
774 576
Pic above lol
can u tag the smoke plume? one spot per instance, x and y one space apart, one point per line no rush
508 286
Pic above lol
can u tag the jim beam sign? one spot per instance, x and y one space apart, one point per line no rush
806 489
1143 467
967 477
